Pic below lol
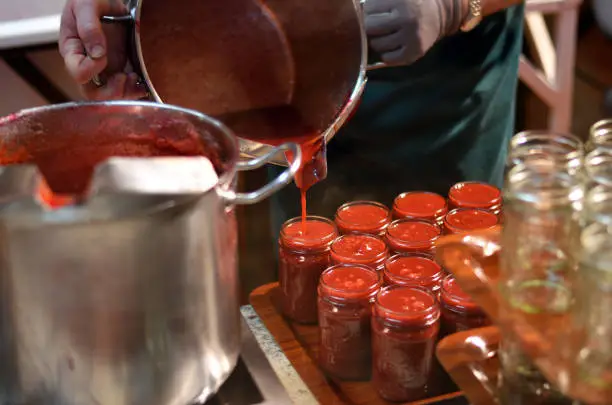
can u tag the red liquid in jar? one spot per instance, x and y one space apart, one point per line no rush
412 236
405 327
414 270
420 205
303 256
462 220
346 295
459 311
368 250
363 217
473 194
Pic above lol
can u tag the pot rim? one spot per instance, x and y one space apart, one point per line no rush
232 140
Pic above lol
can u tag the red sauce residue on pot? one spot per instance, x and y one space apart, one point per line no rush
233 60
67 162
346 294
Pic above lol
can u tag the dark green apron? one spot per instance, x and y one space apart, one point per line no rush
444 119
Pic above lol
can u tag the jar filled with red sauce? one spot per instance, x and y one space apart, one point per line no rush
420 205
368 250
346 296
363 217
303 255
405 327
412 236
463 220
414 270
474 194
459 311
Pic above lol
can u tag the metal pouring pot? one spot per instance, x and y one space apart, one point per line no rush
130 295
254 56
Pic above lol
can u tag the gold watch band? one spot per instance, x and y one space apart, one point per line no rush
474 16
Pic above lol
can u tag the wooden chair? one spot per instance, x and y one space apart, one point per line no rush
553 80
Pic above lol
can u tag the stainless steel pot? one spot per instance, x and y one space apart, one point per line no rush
320 70
131 296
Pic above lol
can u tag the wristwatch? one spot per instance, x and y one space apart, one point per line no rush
474 16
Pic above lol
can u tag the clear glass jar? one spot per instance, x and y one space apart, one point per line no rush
540 237
461 220
363 217
600 135
458 311
346 296
414 270
412 236
565 150
591 318
421 205
598 167
302 258
598 206
367 250
475 194
405 327
538 266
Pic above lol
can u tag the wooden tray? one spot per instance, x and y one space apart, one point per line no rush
300 344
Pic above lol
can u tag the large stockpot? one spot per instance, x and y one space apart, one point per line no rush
129 297
254 54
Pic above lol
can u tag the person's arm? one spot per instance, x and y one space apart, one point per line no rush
402 31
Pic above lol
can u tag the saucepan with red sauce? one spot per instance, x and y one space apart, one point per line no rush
123 278
273 71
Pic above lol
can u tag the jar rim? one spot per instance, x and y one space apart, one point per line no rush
470 203
347 293
343 221
436 276
300 241
429 314
459 212
398 222
407 211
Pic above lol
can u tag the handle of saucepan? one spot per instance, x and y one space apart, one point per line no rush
376 65
275 185
126 19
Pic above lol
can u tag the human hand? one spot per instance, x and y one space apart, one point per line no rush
402 31
91 49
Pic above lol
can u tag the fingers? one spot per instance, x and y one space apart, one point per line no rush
82 41
87 14
120 86
388 43
381 24
401 56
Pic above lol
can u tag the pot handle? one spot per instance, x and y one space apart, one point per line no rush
375 65
253 197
